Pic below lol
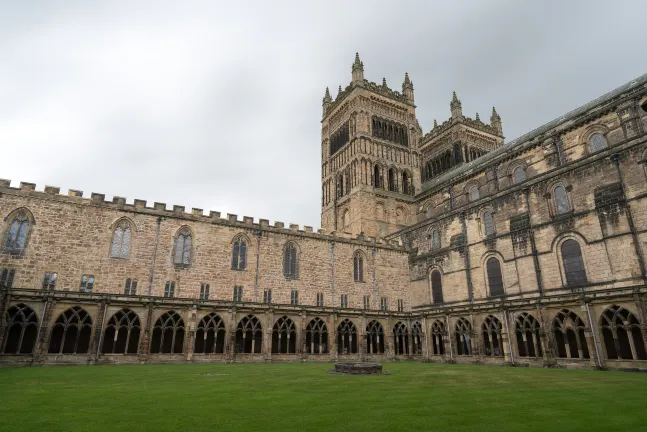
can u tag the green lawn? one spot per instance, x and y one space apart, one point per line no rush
303 397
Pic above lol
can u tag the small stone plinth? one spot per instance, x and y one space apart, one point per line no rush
358 368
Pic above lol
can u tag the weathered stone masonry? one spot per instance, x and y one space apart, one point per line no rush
449 246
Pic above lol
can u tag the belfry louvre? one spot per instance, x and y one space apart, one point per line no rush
452 245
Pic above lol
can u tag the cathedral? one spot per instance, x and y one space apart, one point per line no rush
451 245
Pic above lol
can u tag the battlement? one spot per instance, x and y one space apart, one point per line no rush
75 196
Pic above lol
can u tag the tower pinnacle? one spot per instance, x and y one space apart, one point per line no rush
358 71
456 107
407 88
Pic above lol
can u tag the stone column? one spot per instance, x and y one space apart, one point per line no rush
5 301
590 341
98 331
230 337
641 309
301 337
190 332
332 337
40 350
144 344
505 345
266 350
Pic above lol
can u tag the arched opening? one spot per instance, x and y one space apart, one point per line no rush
122 333
416 338
249 335
495 278
71 333
561 200
21 330
284 336
239 254
569 338
346 337
210 335
316 337
463 337
405 183
573 263
391 180
400 338
528 338
377 180
492 336
374 338
436 287
438 337
621 334
168 334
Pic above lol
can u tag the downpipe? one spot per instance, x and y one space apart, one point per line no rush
507 330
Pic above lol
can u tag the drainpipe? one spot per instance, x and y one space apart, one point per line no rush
332 272
533 246
374 281
157 236
259 234
595 339
615 158
449 336
468 267
507 330
424 322
103 325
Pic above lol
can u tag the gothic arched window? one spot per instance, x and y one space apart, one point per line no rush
400 338
405 183
121 240
488 223
346 337
597 142
168 334
494 276
573 263
374 338
377 179
290 267
71 333
492 336
391 180
437 337
249 335
122 333
416 338
21 330
622 335
435 239
316 337
436 287
284 336
463 337
239 254
569 337
528 338
358 267
183 243
561 200
474 193
210 335
17 232
519 175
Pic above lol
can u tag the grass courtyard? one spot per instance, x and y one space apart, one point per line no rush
303 397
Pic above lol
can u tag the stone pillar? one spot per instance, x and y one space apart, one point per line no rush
190 332
266 349
5 301
144 344
544 337
230 337
505 345
642 316
98 331
40 350
590 341
332 337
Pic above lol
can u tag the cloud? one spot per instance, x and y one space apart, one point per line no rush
217 105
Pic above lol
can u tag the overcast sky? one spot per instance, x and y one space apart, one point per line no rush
217 104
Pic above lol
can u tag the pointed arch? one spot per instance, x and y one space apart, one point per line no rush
438 337
621 334
528 336
21 330
416 338
183 249
374 338
346 337
249 335
569 338
71 332
122 332
358 266
239 246
168 334
18 229
284 336
436 282
210 335
463 334
316 337
122 236
400 338
491 329
291 260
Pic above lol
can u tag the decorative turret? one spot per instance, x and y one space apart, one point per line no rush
456 107
435 124
327 100
407 89
358 71
384 83
495 122
478 119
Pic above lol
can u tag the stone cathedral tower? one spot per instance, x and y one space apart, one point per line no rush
370 163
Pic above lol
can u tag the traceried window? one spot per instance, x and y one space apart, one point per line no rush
488 223
400 338
121 240
316 337
21 330
519 175
17 232
284 336
238 293
71 333
267 296
7 276
169 289
239 255
474 193
204 291
320 300
597 142
622 335
463 337
435 239
374 338
438 337
416 336
122 333
294 297
131 287
528 337
569 337
347 337
183 242
49 281
367 302
492 336
290 261
210 335
249 335
561 200
436 287
495 279
358 267
573 263
87 283
168 334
